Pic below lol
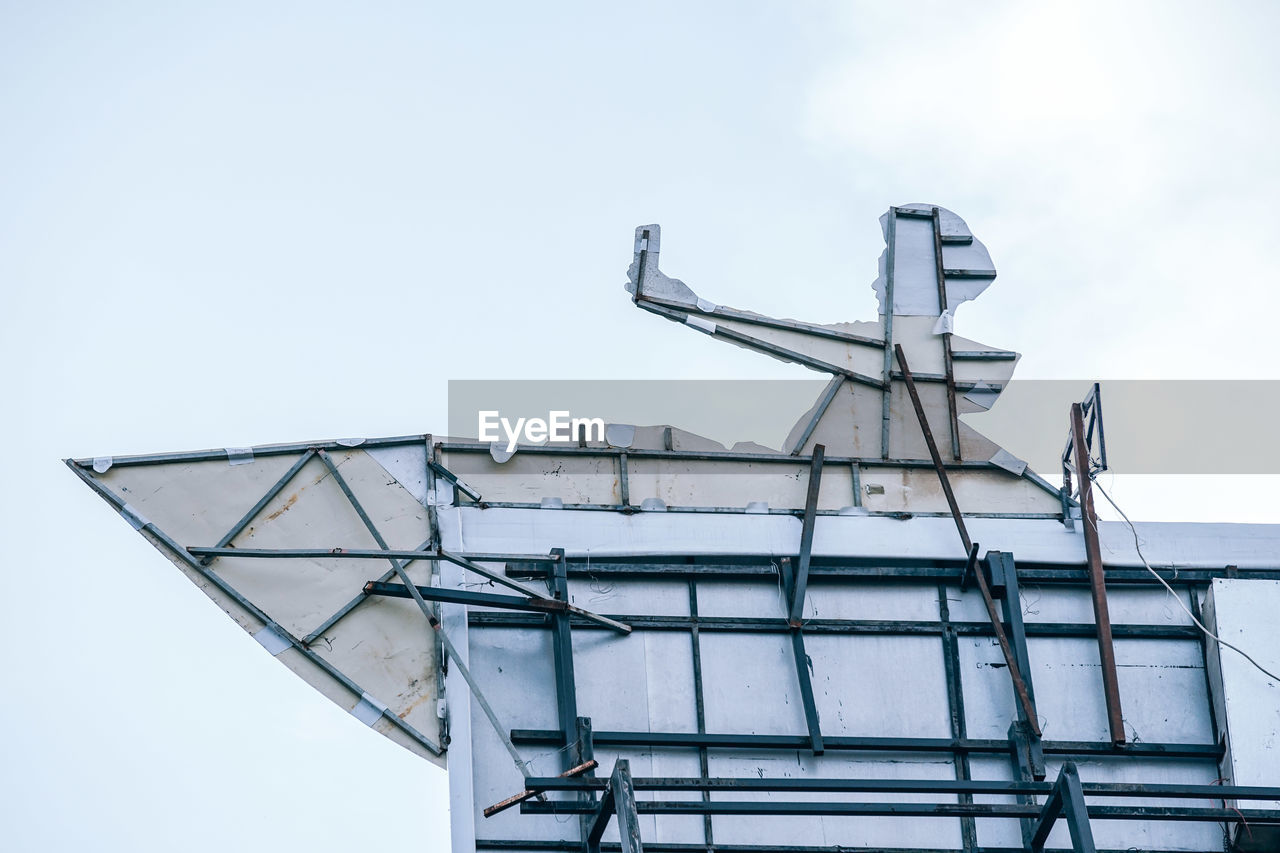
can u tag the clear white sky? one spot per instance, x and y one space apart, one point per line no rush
236 223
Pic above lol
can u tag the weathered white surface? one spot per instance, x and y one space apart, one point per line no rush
1186 545
864 685
1247 702
384 645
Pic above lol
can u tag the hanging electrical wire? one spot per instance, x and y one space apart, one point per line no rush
1138 547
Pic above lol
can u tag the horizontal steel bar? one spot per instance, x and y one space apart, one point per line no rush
752 625
488 599
770 322
742 510
969 273
833 569
634 453
984 810
220 454
1206 751
467 597
912 786
677 847
362 554
942 378
983 355
406 557
735 456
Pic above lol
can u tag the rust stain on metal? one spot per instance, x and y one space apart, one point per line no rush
288 504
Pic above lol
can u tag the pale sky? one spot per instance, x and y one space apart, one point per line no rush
239 223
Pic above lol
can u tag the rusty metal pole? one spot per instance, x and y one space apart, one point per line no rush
1097 578
1019 686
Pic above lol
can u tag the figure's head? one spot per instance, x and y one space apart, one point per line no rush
911 233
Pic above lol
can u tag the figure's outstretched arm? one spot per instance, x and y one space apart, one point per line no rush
658 293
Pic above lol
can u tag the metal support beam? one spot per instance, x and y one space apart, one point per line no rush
1256 817
398 568
446 474
722 313
806 691
1024 759
801 584
587 750
620 799
955 705
821 409
984 787
1097 579
353 603
1004 585
699 703
803 675
624 480
562 651
1210 752
488 599
1067 801
1015 674
529 793
886 395
946 336
390 554
261 504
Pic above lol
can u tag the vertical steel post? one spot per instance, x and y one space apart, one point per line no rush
562 652
1097 579
948 366
1004 585
886 396
586 749
700 707
955 703
1023 770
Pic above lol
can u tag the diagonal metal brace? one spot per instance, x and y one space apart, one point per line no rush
249 516
800 587
398 567
1067 801
620 799
803 675
1015 673
488 599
